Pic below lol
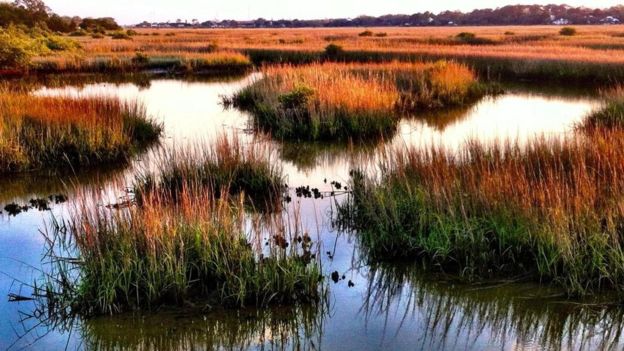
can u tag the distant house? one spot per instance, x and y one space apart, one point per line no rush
610 20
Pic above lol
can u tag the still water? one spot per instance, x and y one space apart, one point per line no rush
389 307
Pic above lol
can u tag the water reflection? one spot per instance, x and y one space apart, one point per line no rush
518 116
23 187
273 329
504 314
312 156
141 80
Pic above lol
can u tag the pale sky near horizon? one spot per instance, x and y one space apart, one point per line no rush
134 11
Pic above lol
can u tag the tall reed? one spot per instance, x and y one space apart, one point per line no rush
63 132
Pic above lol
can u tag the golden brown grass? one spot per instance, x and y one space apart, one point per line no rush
335 86
57 132
591 44
120 61
594 54
246 169
550 210
340 101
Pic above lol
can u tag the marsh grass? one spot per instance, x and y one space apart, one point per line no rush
611 116
339 101
230 164
533 52
491 65
64 132
173 62
197 250
549 211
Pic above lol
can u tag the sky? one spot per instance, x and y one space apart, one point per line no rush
135 11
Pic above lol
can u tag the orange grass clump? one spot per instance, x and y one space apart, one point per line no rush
241 168
341 101
55 132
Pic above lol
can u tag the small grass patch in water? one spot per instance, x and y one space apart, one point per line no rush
229 164
343 101
65 132
196 249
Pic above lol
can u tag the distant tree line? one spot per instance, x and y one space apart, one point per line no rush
35 13
507 15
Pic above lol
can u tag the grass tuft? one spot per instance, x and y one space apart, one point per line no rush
196 249
229 164
63 132
339 101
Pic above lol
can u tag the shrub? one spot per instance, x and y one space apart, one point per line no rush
366 33
568 31
381 34
297 98
18 48
132 32
471 38
78 33
56 43
466 36
333 51
93 24
121 36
